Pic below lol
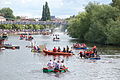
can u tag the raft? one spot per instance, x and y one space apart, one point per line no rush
46 70
56 53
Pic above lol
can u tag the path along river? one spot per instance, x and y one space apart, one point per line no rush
22 64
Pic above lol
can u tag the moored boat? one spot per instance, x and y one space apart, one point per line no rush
56 53
46 70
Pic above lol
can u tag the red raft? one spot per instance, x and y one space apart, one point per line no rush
56 53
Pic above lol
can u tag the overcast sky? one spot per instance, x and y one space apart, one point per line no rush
58 8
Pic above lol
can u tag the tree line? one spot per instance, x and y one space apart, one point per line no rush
97 24
21 27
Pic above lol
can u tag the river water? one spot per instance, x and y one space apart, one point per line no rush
22 64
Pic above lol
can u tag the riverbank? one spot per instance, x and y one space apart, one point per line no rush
24 32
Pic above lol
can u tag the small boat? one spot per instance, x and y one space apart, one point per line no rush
36 51
56 39
57 53
8 46
46 70
95 58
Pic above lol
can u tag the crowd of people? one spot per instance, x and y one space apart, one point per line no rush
89 54
56 65
64 49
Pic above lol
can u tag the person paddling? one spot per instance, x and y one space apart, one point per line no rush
50 64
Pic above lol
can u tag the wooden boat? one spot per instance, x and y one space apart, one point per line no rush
56 53
46 70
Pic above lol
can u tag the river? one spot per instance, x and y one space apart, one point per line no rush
22 64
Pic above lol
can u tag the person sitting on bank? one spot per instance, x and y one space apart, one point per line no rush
54 50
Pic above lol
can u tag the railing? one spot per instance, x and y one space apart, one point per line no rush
35 22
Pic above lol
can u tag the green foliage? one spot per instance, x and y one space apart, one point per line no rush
7 13
17 17
116 3
99 23
21 27
46 13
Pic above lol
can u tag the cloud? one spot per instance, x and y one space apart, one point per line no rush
60 8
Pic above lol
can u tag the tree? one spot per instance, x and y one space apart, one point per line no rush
7 13
17 17
116 3
98 24
43 14
46 13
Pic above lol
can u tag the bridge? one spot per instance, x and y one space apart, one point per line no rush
36 22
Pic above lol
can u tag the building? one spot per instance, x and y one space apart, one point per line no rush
2 18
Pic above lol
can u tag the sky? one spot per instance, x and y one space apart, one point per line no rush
58 8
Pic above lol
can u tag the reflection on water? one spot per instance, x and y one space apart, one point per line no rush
22 64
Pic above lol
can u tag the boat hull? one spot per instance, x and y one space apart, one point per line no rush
56 53
46 70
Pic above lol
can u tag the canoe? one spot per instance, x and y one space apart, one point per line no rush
96 58
46 70
56 53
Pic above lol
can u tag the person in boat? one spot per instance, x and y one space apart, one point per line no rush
54 50
62 66
67 49
59 49
50 64
53 38
54 62
91 54
94 50
38 48
34 48
80 53
64 50
57 65
71 51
